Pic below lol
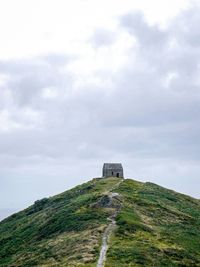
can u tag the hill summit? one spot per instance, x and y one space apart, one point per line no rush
105 222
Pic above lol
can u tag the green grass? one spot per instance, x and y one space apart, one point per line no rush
155 227
44 232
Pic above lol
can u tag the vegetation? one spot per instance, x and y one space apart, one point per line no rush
59 230
156 227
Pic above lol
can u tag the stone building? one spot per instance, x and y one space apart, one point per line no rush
113 170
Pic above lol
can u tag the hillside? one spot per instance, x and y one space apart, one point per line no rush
154 227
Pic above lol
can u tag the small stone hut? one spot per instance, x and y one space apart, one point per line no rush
113 170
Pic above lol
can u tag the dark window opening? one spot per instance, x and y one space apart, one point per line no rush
117 174
112 173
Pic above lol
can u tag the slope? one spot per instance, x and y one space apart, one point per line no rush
155 227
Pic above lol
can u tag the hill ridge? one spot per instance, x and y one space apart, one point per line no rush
154 227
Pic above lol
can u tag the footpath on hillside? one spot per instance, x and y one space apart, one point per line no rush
110 200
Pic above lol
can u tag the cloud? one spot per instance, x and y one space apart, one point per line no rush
103 37
60 121
146 34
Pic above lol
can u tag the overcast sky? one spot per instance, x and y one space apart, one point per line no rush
85 82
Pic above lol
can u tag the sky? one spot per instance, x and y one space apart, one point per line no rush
85 82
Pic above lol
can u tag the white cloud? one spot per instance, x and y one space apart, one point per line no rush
29 28
6 123
50 92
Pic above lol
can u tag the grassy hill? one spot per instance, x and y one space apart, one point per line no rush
155 227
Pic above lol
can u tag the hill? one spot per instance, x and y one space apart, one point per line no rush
143 224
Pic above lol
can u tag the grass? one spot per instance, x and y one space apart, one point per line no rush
62 230
156 227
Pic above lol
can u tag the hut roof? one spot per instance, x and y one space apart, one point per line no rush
112 166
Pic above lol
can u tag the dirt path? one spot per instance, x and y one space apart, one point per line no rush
109 229
104 246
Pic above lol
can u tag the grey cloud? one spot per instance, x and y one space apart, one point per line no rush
149 120
186 29
29 77
103 37
150 36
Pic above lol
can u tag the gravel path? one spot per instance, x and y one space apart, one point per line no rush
104 246
109 229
